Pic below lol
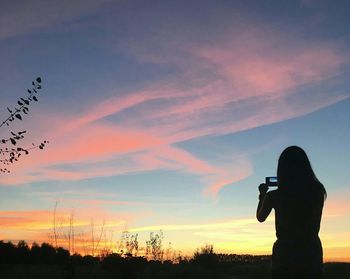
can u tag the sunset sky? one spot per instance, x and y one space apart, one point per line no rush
167 115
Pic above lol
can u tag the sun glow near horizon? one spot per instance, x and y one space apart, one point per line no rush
240 236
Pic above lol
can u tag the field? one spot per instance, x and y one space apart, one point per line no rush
154 271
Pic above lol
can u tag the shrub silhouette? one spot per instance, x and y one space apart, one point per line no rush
206 257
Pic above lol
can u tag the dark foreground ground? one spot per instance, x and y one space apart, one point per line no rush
155 270
47 262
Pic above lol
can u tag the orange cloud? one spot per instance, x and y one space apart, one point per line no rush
39 224
31 220
208 226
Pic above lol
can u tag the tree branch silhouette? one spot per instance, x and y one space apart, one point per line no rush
11 154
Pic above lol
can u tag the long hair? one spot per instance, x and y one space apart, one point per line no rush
294 171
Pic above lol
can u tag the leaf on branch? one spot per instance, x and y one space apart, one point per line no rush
29 91
35 99
19 116
10 111
38 79
20 103
25 101
13 141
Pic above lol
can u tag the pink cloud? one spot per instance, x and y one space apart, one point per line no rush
90 144
244 69
100 140
229 176
97 145
150 149
216 176
145 155
254 67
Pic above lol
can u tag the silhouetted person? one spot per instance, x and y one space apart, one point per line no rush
298 203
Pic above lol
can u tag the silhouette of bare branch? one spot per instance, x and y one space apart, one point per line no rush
11 152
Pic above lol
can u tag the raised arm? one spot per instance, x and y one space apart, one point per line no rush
265 203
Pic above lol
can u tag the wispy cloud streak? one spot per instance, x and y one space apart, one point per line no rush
250 85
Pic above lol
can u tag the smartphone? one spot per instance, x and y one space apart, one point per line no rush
271 181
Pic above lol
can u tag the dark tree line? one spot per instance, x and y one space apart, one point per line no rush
10 151
204 264
47 261
36 254
22 253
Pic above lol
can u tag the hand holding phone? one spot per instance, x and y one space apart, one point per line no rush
271 181
263 188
